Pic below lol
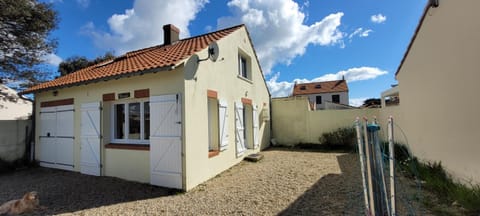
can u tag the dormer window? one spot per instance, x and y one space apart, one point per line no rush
318 86
303 87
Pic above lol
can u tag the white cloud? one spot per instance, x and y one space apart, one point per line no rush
284 88
360 32
356 102
83 3
208 28
279 89
278 30
365 33
378 18
141 26
52 59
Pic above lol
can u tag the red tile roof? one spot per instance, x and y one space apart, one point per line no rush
138 61
320 87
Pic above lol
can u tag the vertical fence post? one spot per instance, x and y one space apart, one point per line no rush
369 169
381 187
391 151
362 164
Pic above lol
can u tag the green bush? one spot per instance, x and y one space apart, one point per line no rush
441 183
340 138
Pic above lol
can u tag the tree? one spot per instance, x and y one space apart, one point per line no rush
75 63
372 102
25 26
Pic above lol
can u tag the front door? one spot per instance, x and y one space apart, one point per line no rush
166 141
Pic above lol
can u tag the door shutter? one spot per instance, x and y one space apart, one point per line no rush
239 129
223 124
90 139
255 127
166 141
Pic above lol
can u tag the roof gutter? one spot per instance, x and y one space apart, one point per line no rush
116 77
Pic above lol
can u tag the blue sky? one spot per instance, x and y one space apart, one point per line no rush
296 41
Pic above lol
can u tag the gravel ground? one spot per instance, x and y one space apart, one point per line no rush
285 182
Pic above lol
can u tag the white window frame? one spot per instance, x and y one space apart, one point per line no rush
213 146
248 66
142 140
242 71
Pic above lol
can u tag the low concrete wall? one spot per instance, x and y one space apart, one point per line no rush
293 121
12 138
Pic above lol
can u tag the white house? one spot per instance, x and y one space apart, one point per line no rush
172 115
13 107
438 81
321 95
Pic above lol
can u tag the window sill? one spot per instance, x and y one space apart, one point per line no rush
245 79
140 147
213 153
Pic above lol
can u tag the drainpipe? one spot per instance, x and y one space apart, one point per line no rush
31 144
271 118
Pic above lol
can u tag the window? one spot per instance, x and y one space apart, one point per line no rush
213 125
146 120
336 98
319 99
131 122
244 67
248 126
318 86
119 123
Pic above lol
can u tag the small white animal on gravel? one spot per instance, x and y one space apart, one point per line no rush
28 203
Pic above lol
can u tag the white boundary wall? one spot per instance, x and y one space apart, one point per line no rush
294 123
12 138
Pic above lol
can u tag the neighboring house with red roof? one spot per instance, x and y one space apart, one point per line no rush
172 115
438 82
321 95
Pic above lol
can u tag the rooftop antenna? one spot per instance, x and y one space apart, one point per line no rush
213 52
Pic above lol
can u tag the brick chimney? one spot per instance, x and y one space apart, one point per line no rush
170 34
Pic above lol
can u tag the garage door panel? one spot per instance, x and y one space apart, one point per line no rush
64 124
48 122
47 150
56 137
64 108
64 151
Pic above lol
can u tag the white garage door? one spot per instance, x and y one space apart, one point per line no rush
56 137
